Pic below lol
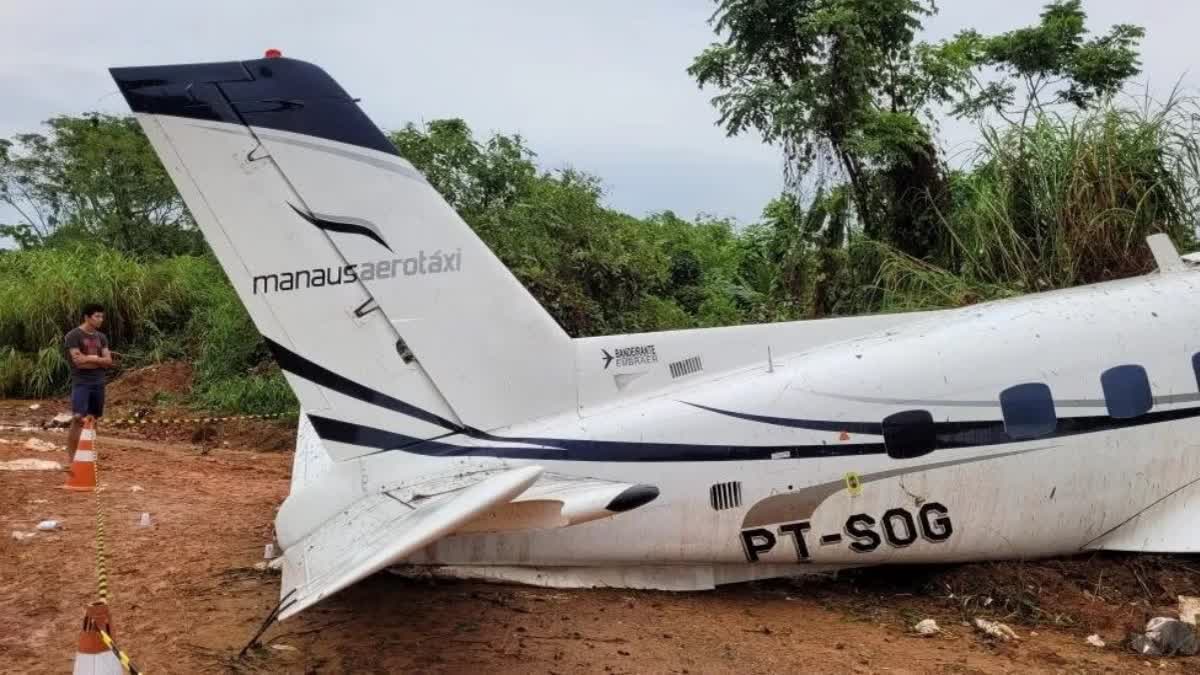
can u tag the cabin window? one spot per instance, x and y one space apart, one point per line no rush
1028 411
1196 367
1127 392
909 434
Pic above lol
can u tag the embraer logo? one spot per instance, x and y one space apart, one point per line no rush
630 356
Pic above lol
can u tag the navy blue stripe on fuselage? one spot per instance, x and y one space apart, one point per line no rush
577 449
875 428
951 435
948 435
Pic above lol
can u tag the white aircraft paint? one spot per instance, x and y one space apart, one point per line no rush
450 424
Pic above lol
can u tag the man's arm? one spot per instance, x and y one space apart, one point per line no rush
105 360
85 361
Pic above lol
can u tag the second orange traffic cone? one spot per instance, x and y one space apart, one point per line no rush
83 465
92 656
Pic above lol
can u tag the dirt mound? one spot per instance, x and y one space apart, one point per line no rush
148 386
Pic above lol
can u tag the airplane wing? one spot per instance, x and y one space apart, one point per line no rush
381 529
387 517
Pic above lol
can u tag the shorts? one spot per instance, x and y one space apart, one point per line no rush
87 399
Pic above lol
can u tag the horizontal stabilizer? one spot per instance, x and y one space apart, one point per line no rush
379 530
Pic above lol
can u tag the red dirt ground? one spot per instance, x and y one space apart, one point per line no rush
186 598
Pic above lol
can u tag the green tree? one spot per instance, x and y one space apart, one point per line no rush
93 177
591 267
842 84
1054 62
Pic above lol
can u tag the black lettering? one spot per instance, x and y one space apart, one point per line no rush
351 273
858 528
318 277
274 285
797 531
889 527
289 281
935 522
757 541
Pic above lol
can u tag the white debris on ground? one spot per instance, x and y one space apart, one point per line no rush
50 525
927 627
60 420
30 465
38 445
136 488
996 629
35 406
1166 637
1095 641
21 536
1189 608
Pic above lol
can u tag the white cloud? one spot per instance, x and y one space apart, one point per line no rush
601 86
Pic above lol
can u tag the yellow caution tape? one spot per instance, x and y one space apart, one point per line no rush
853 484
185 420
121 656
102 579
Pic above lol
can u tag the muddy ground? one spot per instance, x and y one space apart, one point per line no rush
186 596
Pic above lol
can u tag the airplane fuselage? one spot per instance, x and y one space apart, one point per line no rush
1022 428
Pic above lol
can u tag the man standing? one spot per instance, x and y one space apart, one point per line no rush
87 351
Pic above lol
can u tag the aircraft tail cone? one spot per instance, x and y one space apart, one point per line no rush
83 465
92 657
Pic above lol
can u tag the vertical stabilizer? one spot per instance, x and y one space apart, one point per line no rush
382 306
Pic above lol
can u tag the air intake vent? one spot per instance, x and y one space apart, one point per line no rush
725 495
686 367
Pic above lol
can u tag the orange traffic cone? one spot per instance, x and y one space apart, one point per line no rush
83 465
93 657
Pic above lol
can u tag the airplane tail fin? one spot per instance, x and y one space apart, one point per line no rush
381 305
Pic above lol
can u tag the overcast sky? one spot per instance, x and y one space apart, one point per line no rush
601 86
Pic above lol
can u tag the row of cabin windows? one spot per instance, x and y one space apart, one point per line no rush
1028 410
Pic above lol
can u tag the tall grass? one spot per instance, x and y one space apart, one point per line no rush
171 308
1061 202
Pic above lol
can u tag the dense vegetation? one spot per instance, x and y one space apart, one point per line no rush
1066 182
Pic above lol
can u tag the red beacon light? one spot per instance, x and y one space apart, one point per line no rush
273 53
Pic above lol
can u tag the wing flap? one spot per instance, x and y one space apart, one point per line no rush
379 530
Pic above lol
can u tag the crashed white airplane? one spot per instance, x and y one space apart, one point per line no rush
462 430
